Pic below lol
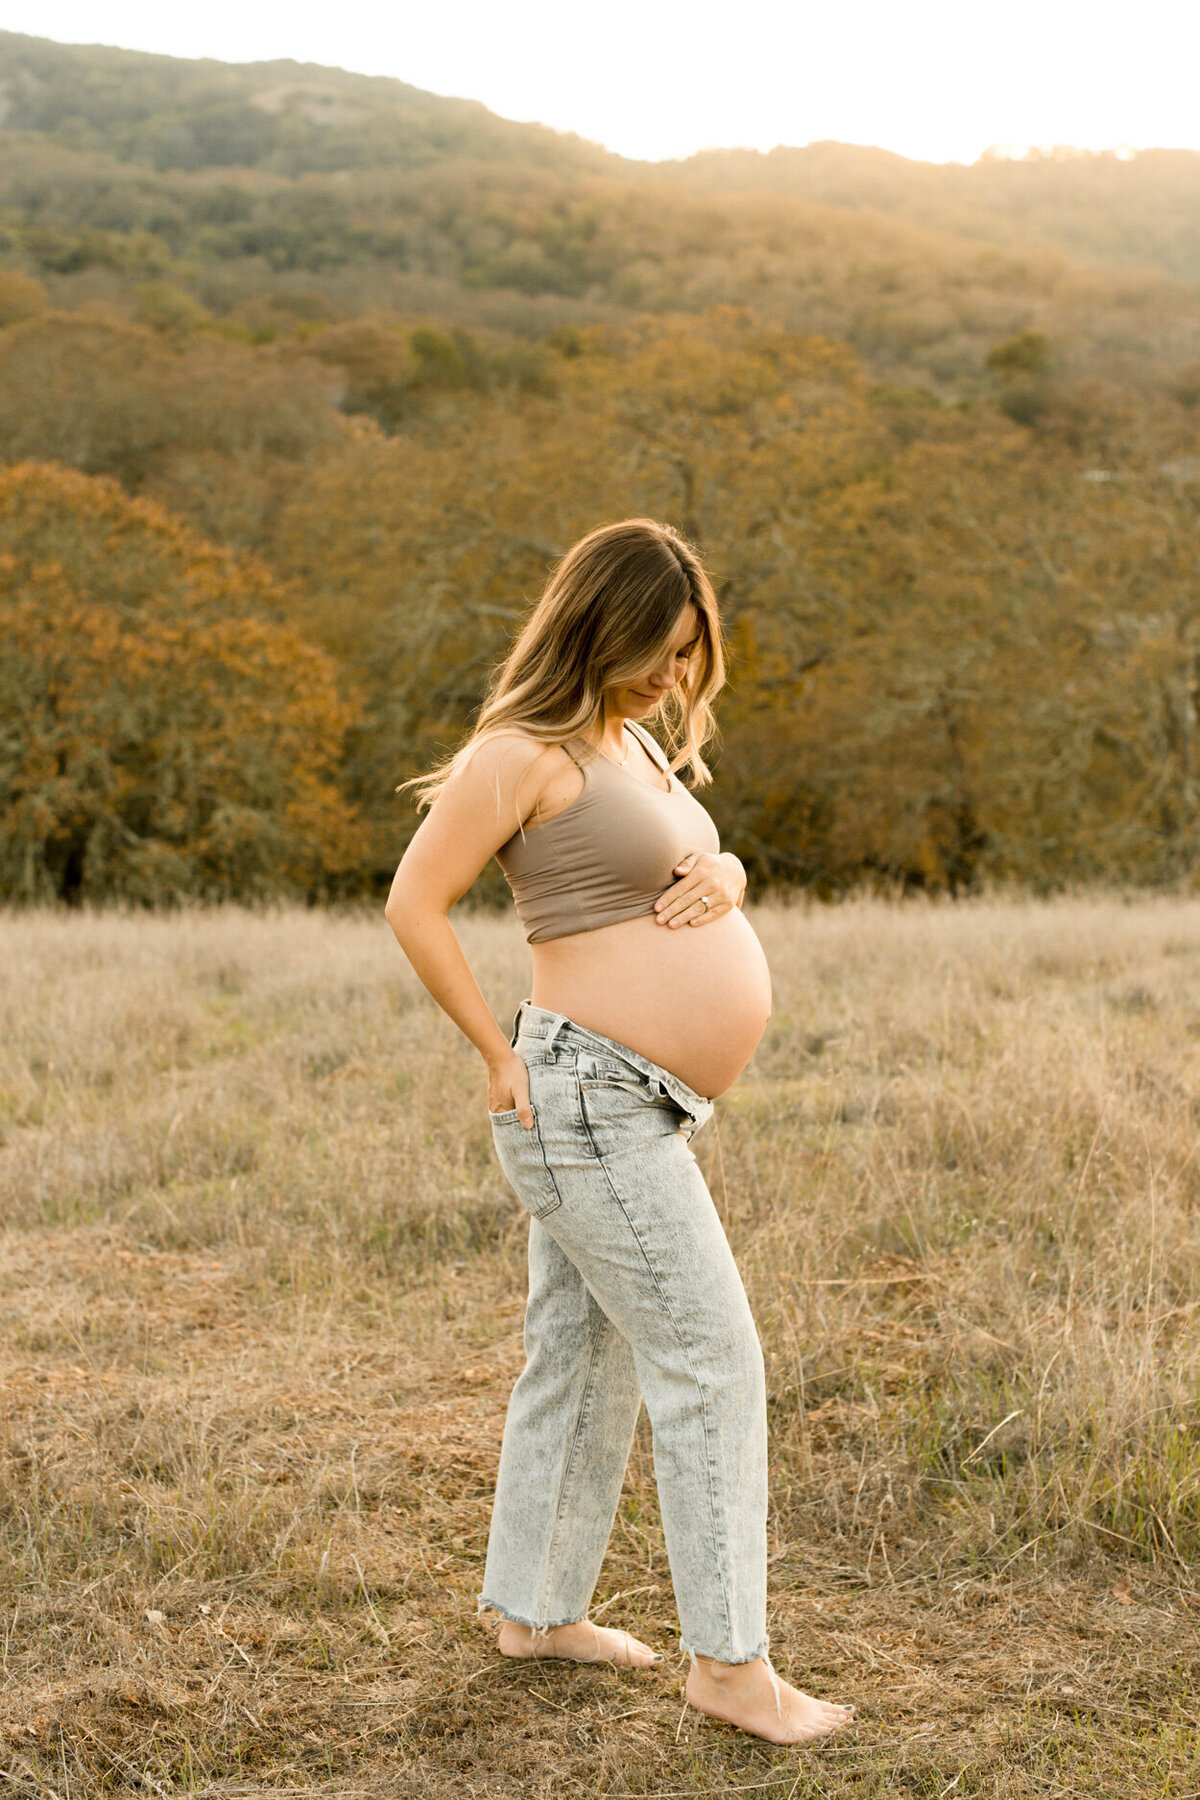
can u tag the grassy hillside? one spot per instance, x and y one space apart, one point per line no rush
166 112
292 119
525 248
1097 206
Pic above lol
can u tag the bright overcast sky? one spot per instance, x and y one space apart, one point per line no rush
935 79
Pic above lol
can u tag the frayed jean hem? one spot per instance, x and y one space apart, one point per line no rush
733 1661
485 1605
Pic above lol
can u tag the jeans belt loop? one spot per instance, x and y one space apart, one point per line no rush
516 1028
556 1025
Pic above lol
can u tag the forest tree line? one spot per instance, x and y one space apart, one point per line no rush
963 643
270 514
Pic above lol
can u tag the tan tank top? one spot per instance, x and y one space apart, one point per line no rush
609 854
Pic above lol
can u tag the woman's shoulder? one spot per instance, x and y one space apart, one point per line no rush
512 745
508 757
525 778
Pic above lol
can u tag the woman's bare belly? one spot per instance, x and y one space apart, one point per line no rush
695 1000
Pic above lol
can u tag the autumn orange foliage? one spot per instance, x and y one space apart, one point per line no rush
166 738
963 638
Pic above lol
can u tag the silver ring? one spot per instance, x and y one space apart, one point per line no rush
704 901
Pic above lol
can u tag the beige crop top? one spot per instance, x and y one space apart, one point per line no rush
609 854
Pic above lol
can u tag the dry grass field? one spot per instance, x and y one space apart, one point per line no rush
262 1289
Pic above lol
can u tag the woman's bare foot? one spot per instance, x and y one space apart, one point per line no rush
753 1697
582 1642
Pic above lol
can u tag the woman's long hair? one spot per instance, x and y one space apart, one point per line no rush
608 612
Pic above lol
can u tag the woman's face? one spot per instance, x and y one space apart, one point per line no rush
641 696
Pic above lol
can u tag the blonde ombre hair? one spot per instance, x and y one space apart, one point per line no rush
608 612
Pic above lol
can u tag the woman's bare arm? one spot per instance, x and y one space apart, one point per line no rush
476 811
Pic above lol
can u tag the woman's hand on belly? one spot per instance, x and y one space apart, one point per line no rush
719 878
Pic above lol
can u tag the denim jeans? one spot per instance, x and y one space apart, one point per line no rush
633 1292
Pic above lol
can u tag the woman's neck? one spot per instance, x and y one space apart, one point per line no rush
612 737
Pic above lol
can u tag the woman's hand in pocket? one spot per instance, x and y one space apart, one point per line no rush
508 1088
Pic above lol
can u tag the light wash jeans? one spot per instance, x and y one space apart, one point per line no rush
633 1291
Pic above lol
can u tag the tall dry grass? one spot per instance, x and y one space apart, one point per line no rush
262 1311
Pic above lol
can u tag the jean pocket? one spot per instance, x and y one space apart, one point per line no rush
623 1117
608 1072
523 1159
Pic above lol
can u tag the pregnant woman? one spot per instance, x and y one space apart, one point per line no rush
649 994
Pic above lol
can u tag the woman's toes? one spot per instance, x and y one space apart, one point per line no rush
640 1653
816 1721
602 1643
